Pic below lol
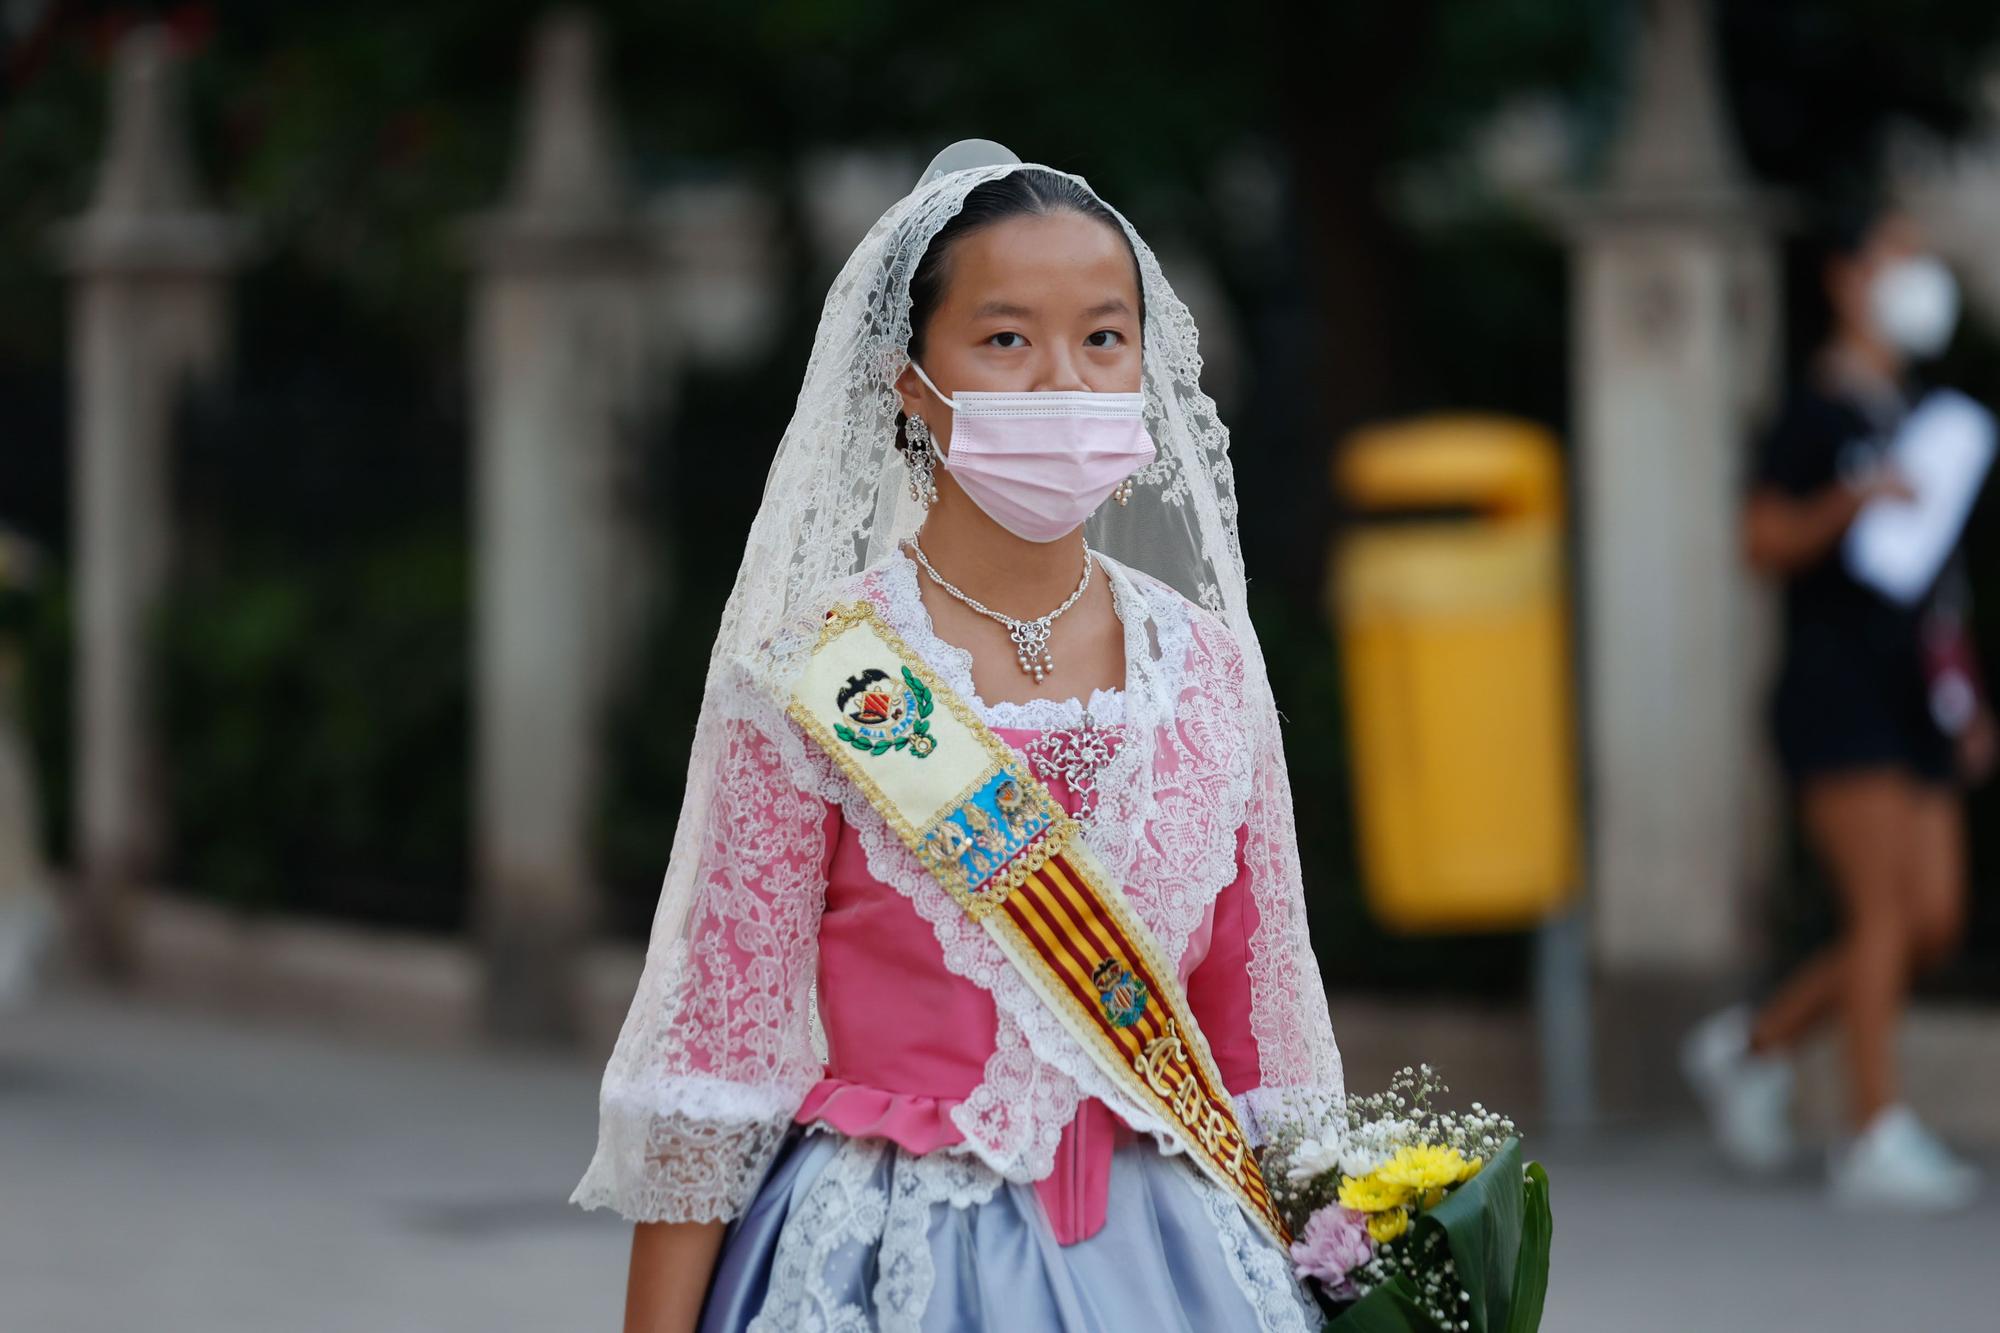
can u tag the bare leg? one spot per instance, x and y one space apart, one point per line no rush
1861 827
1808 998
1936 903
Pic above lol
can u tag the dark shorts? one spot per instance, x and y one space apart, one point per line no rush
1833 713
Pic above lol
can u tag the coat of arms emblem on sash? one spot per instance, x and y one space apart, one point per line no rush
883 713
1122 994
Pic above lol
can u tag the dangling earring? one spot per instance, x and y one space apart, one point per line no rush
921 459
1124 492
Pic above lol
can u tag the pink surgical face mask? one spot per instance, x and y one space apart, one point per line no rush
1039 464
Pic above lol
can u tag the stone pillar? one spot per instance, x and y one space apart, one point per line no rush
149 268
1675 299
559 349
718 275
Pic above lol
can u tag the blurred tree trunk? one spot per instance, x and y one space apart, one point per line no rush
1343 71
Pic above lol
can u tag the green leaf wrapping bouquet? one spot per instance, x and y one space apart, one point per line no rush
1411 1219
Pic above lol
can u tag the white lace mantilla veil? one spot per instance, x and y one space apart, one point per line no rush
699 1091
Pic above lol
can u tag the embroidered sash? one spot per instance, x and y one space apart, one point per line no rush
1012 858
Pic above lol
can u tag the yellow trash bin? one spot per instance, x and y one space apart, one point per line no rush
1448 593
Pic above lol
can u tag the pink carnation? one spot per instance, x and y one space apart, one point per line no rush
1334 1243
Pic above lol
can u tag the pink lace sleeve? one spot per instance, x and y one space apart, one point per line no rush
1298 1059
716 1052
1257 992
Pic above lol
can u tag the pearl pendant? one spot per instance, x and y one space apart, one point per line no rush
1031 649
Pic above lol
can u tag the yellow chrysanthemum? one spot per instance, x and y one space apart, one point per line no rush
1414 1175
1372 1194
1385 1227
1423 1167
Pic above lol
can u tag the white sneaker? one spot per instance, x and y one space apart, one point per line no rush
1897 1163
1748 1097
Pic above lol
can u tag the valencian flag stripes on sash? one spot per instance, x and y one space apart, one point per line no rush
993 836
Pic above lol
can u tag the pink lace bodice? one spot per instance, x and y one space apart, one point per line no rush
929 1038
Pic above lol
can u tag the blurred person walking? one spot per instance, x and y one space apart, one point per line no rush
1879 722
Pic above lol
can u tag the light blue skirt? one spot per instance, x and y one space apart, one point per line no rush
856 1235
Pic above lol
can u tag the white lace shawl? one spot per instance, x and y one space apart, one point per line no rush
717 1050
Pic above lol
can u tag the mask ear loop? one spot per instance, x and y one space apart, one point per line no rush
942 396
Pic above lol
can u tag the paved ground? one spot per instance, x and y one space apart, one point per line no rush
161 1172
164 1174
1652 1236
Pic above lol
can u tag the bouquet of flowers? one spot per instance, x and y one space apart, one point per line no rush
1412 1219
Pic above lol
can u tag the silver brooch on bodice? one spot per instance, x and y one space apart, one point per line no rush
1079 755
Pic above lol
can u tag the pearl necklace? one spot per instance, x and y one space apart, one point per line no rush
1031 637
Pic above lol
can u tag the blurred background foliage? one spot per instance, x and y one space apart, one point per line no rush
1321 159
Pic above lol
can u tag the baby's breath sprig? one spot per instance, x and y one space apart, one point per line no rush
1412 1096
1426 1263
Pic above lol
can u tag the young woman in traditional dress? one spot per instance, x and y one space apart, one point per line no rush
982 951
